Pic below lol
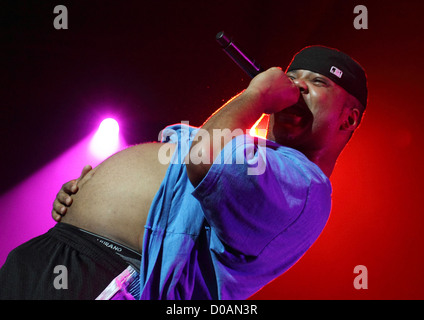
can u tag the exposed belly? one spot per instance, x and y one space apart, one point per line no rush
115 197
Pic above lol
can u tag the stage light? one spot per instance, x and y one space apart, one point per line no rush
106 140
260 128
92 150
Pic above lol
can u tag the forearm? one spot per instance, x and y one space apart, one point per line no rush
269 92
233 119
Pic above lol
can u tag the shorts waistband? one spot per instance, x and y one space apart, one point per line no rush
129 255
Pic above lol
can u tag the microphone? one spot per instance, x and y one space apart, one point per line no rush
243 61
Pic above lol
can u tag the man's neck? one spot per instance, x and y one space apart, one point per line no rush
324 164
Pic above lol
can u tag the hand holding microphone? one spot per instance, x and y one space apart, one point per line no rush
274 89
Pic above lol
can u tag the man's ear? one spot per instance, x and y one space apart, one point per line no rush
351 121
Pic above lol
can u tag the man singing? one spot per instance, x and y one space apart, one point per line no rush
203 227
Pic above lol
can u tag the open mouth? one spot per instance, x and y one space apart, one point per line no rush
296 114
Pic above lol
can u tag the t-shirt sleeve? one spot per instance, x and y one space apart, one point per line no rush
252 193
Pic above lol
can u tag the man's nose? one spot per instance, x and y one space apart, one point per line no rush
301 84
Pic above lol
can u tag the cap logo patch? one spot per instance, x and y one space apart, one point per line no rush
336 71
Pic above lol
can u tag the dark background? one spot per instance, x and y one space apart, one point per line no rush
153 63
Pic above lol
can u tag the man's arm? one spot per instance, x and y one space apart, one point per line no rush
269 92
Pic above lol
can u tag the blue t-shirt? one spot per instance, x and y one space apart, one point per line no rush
238 229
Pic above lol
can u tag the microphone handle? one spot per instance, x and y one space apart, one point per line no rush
241 59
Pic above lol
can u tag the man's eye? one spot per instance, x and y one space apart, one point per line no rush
319 80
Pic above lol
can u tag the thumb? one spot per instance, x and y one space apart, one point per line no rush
84 171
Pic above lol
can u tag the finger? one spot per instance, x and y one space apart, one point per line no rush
57 216
60 208
84 171
63 198
69 187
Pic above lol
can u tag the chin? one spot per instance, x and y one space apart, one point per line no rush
290 131
289 136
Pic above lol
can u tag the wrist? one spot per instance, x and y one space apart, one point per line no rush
253 99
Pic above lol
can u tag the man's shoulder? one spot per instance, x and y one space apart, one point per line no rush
297 161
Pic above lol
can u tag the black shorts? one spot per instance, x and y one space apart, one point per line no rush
70 263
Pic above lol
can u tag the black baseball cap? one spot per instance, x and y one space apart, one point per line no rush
337 66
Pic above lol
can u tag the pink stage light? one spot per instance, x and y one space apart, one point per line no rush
106 140
46 182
